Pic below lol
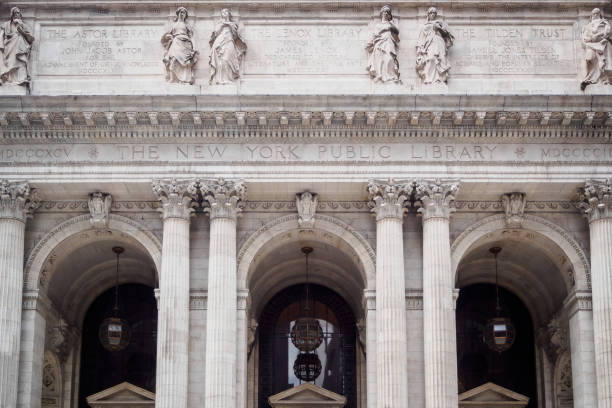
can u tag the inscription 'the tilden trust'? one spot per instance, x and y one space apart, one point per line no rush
237 153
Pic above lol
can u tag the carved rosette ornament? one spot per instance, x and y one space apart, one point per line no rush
388 198
435 198
225 197
306 204
17 200
177 197
595 199
514 208
99 209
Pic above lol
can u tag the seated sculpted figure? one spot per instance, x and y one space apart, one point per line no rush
180 55
226 50
382 49
15 45
597 42
432 49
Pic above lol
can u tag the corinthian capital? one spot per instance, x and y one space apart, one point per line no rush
387 198
595 199
17 200
435 197
177 197
225 197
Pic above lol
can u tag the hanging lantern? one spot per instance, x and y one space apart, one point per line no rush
307 367
306 333
115 333
499 334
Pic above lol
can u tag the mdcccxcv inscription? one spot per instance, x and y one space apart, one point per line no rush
364 152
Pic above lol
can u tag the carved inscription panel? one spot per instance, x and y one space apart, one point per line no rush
514 50
100 50
305 49
304 153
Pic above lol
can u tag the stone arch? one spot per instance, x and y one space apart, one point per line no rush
36 260
336 228
566 243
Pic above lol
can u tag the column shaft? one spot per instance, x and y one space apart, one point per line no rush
601 275
392 364
438 316
12 234
221 327
173 318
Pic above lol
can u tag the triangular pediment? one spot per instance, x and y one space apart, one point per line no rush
491 396
124 394
305 396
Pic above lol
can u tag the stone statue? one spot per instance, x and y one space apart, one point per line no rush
432 49
306 204
180 55
99 209
227 49
15 46
514 208
597 42
382 49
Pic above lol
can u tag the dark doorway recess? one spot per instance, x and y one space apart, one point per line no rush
337 352
477 364
101 369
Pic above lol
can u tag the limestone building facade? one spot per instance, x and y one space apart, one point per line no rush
216 142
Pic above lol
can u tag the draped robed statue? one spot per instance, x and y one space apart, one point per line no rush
227 48
382 49
433 42
15 45
180 55
597 43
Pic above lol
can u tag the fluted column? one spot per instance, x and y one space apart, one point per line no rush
435 198
17 201
596 201
225 200
173 306
387 202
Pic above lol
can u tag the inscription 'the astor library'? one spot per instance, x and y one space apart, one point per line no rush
245 153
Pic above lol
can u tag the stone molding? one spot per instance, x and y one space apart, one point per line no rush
595 200
243 300
414 299
17 200
578 300
177 197
530 206
388 199
435 198
225 198
369 299
198 299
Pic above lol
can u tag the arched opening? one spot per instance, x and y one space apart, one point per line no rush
336 353
477 364
535 277
101 368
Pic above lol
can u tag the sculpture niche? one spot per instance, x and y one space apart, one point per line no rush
180 55
433 43
597 42
15 46
382 49
227 49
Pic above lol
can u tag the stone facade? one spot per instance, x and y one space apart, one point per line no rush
212 173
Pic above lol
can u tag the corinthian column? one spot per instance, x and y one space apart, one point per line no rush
173 307
17 201
225 199
596 201
387 201
438 296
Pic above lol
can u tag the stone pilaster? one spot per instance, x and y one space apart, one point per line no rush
387 200
173 305
596 202
225 200
369 305
17 201
435 198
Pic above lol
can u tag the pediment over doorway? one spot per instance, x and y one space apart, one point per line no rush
307 396
122 396
491 395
